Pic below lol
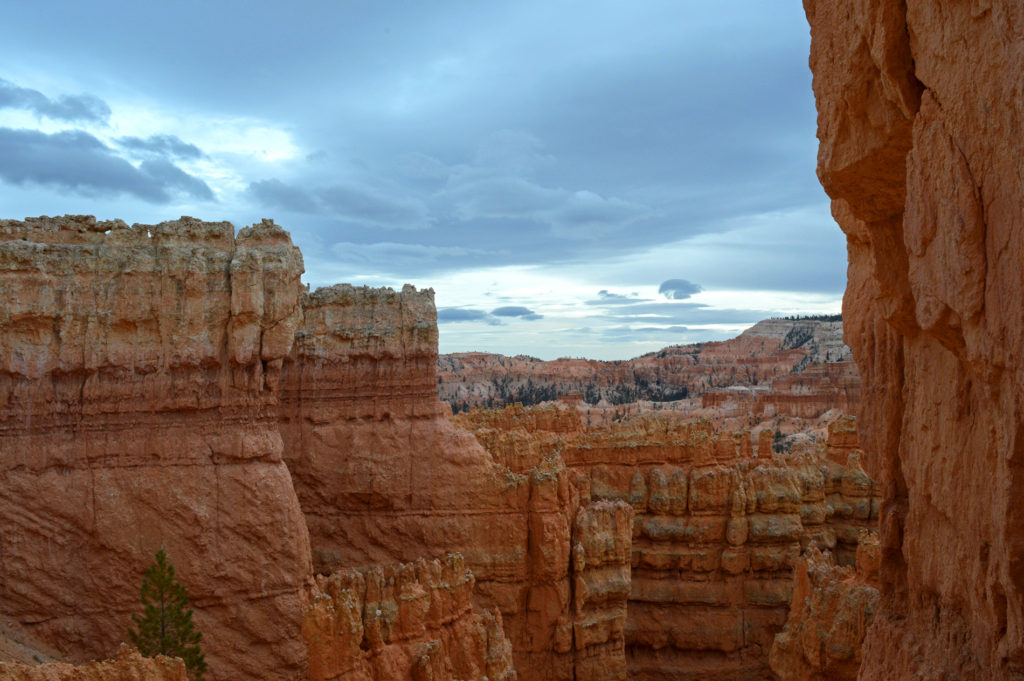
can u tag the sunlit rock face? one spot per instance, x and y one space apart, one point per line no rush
920 108
138 378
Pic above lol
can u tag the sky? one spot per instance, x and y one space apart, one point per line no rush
583 179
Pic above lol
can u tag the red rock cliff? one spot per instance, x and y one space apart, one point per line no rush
138 374
716 531
411 622
921 124
383 476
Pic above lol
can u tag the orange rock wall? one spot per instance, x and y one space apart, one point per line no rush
129 665
716 530
922 133
807 394
829 616
138 378
383 476
411 622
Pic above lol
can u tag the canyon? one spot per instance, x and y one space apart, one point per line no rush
704 512
771 349
330 517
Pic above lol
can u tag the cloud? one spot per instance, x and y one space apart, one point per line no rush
516 311
606 297
161 145
385 252
619 333
86 108
170 175
367 205
678 289
585 214
274 193
460 314
77 161
682 313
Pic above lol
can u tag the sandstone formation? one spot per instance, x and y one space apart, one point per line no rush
831 610
138 371
770 349
129 665
383 476
922 133
717 525
175 386
412 622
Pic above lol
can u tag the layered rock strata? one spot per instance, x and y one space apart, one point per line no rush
716 530
921 129
138 375
129 665
411 622
769 349
383 476
830 613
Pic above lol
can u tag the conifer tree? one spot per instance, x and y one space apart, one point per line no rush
165 626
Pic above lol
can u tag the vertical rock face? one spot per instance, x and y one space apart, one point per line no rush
921 123
138 374
832 608
412 622
715 532
383 476
375 461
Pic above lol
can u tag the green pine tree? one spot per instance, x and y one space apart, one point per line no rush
165 626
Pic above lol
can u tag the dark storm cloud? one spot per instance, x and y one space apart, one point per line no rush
678 289
161 145
173 177
85 108
276 194
78 161
368 205
516 311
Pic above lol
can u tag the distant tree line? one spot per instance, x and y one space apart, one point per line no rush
505 392
813 318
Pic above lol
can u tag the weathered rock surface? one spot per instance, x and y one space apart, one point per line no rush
383 476
129 665
138 373
921 124
716 529
769 349
831 610
411 622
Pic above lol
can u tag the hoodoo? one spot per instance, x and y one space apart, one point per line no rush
921 125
